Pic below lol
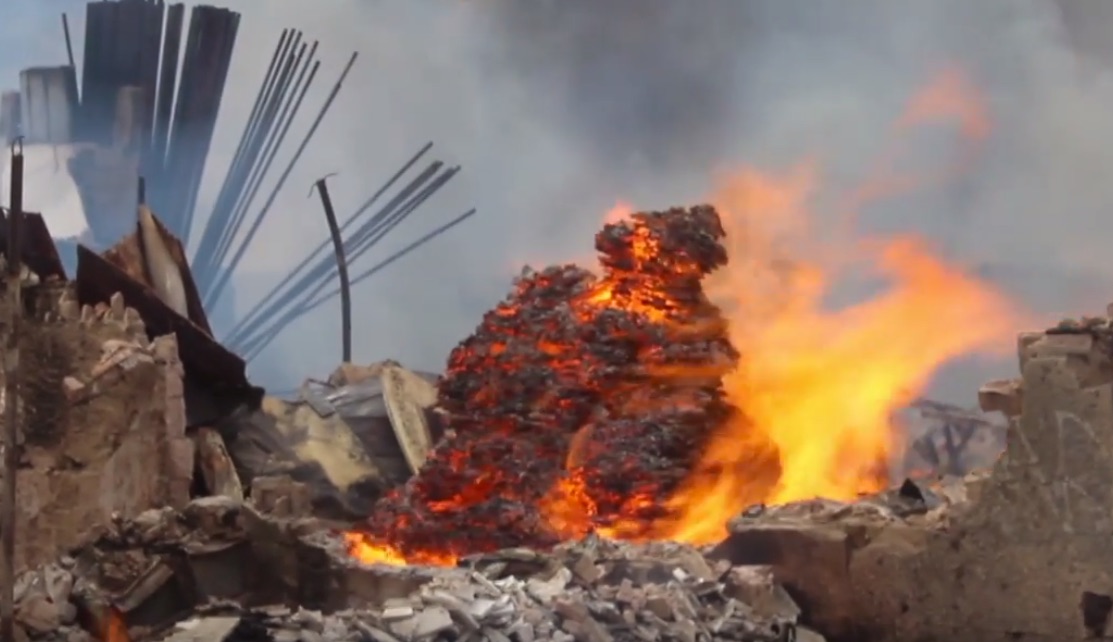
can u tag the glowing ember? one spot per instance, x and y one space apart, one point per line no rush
618 403
114 629
609 384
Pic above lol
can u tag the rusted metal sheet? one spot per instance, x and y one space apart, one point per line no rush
151 253
204 359
38 251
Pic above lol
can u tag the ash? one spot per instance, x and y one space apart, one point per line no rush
608 385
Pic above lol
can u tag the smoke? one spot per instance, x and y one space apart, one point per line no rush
558 108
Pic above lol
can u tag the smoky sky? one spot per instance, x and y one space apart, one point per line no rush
558 108
651 82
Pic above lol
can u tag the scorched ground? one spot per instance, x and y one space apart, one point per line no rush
579 404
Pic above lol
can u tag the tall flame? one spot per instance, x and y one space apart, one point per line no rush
819 387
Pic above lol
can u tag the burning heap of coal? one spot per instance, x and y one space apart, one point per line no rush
579 401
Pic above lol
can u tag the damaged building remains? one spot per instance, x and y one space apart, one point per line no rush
557 481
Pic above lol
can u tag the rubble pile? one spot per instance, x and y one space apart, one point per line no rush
104 424
351 438
221 570
578 400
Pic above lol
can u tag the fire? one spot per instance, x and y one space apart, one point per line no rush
815 385
821 385
114 628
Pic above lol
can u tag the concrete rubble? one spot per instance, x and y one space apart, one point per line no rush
220 569
347 440
105 427
107 431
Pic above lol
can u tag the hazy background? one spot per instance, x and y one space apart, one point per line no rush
556 108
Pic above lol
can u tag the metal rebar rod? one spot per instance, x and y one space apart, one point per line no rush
214 293
288 290
312 284
213 226
374 236
385 263
341 271
255 346
394 208
69 41
234 210
226 217
293 275
11 395
290 103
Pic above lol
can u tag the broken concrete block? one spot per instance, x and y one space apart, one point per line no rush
106 432
1003 395
426 624
757 587
280 496
217 469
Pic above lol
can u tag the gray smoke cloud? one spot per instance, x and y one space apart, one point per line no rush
558 108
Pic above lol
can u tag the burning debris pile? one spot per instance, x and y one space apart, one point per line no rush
579 403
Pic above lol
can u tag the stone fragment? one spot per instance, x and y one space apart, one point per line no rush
217 469
39 614
281 496
578 618
203 629
756 587
1002 395
425 624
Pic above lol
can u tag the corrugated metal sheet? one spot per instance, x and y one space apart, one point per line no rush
49 104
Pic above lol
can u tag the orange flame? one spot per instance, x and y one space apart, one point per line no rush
822 385
115 629
818 387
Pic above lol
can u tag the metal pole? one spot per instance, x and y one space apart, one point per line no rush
341 271
69 43
11 397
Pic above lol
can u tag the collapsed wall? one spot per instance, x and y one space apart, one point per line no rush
1020 552
103 421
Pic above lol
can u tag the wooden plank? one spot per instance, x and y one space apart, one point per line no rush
406 396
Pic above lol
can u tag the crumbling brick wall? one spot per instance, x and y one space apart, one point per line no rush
103 422
1024 552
